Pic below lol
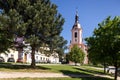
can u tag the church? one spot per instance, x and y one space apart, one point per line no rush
77 38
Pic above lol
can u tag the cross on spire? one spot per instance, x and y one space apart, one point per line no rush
76 16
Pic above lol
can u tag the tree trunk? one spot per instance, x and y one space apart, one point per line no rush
116 71
33 58
75 63
104 67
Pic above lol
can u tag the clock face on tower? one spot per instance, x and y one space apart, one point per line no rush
75 40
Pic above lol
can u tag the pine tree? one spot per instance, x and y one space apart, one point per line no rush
5 37
37 20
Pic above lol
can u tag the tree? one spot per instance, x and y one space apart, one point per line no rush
105 43
76 55
5 37
58 45
37 20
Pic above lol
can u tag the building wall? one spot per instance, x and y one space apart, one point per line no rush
40 58
10 54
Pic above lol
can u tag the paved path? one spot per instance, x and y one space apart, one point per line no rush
41 75
28 74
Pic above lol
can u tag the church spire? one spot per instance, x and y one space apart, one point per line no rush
76 24
76 17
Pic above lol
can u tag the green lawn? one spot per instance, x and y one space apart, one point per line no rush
65 69
19 67
49 68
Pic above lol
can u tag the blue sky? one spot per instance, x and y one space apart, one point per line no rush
91 12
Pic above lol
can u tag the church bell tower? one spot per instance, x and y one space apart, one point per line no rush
76 32
77 38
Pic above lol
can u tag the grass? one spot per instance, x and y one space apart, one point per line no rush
65 69
13 67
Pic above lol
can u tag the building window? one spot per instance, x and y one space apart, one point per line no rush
36 57
12 55
75 34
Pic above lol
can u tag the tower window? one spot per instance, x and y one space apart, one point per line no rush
75 34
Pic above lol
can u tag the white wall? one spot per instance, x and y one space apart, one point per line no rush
9 55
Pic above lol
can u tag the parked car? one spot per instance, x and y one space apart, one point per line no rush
2 59
11 60
111 69
19 60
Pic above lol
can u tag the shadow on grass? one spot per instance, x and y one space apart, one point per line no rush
83 74
74 74
90 71
19 66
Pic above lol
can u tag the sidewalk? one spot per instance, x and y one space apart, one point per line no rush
30 74
41 75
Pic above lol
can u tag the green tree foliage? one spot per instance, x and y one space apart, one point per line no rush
5 37
58 44
76 55
104 45
37 20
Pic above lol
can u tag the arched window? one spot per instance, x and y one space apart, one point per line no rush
75 34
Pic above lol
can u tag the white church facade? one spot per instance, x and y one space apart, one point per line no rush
77 38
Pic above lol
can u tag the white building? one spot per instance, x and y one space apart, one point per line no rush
25 56
11 54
